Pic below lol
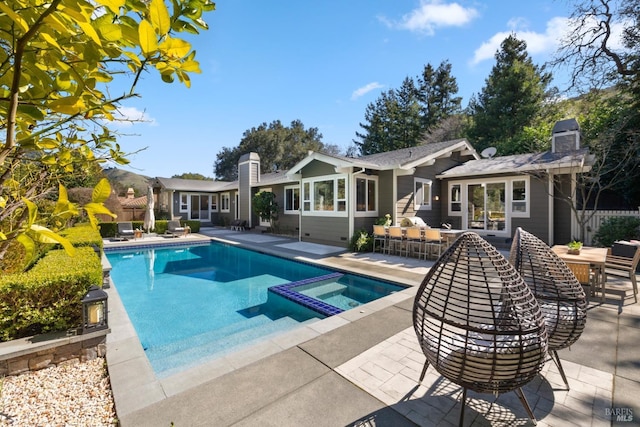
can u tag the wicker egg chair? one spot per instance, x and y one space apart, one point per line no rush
561 296
478 323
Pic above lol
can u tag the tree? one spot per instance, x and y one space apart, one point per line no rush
190 175
400 117
513 97
436 94
57 63
265 206
597 60
279 147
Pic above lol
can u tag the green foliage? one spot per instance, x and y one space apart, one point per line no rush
47 297
617 228
385 220
58 60
513 97
191 175
82 235
279 147
265 206
361 242
400 117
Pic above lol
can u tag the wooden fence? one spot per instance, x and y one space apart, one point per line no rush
594 223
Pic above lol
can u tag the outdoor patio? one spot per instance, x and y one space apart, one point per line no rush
362 367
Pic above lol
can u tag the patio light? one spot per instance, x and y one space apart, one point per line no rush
94 310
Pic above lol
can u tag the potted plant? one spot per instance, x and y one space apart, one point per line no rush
574 247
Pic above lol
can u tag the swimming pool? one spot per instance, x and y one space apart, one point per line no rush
193 303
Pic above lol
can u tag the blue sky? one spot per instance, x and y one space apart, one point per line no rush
321 62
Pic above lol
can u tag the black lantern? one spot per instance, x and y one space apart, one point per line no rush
94 310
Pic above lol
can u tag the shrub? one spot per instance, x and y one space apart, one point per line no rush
361 242
617 228
82 235
48 297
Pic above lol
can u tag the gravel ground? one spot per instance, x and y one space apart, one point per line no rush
70 395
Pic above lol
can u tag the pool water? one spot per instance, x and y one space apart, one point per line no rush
189 304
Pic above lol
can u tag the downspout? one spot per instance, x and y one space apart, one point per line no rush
551 215
352 209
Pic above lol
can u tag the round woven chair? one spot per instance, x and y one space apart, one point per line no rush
561 296
478 323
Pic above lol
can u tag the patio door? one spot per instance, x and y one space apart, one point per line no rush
200 207
486 206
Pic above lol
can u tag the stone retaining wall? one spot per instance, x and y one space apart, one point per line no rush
43 351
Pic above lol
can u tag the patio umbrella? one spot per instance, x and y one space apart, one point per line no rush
149 218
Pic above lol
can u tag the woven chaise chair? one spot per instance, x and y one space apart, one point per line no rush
561 296
478 323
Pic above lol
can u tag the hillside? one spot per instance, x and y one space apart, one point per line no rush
121 180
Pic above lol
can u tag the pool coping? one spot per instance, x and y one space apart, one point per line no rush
133 381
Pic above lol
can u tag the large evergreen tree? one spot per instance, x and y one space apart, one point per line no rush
279 147
513 97
399 118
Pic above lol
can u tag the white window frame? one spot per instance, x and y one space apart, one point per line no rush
213 203
421 203
457 202
308 199
225 202
288 210
508 183
527 205
367 211
185 202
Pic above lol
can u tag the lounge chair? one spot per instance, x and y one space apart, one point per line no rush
125 231
174 229
239 225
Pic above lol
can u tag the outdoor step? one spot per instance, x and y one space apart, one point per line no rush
324 291
176 360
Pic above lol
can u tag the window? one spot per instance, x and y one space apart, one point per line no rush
455 198
366 195
184 202
306 196
214 203
225 202
519 205
325 195
291 200
422 194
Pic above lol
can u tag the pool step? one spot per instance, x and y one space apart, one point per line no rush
325 291
165 359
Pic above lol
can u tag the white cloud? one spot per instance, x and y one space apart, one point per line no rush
557 29
432 14
537 43
365 89
127 116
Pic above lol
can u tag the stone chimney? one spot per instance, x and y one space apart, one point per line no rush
130 193
565 136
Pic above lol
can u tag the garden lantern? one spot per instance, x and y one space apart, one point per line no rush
94 310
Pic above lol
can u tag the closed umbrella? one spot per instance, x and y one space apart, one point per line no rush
149 217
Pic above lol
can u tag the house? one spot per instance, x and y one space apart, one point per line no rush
133 208
327 198
495 195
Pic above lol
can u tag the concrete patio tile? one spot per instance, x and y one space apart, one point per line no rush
341 404
196 376
377 371
328 324
294 337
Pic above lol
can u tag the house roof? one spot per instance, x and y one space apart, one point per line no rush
133 202
179 184
404 158
273 178
517 163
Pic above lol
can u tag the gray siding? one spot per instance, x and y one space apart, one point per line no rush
316 168
562 212
325 230
286 223
538 221
385 193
